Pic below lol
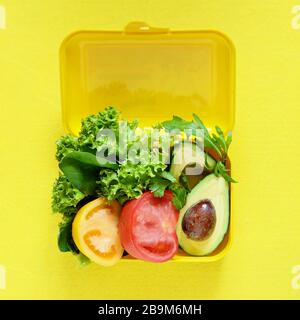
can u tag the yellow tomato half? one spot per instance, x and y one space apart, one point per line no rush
95 231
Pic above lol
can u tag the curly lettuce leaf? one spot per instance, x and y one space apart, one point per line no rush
65 145
129 181
90 126
65 196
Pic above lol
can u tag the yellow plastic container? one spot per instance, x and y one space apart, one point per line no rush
150 74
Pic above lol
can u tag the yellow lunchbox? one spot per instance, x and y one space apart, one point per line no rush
150 74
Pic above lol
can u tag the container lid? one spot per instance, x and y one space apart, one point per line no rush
149 74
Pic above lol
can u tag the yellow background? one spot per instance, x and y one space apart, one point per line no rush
265 152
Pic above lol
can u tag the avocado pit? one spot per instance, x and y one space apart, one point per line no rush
199 220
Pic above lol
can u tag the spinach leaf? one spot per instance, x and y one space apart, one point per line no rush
65 240
82 168
88 158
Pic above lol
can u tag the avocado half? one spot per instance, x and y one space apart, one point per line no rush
207 204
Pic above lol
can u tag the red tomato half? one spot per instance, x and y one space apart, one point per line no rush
147 227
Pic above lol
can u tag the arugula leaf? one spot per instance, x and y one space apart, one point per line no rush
219 131
210 143
179 124
220 170
82 168
200 124
229 139
217 142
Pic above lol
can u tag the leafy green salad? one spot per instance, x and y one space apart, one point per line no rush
111 202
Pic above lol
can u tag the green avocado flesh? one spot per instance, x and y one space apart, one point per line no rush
188 157
203 221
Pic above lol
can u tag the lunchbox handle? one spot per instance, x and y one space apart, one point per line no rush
139 27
